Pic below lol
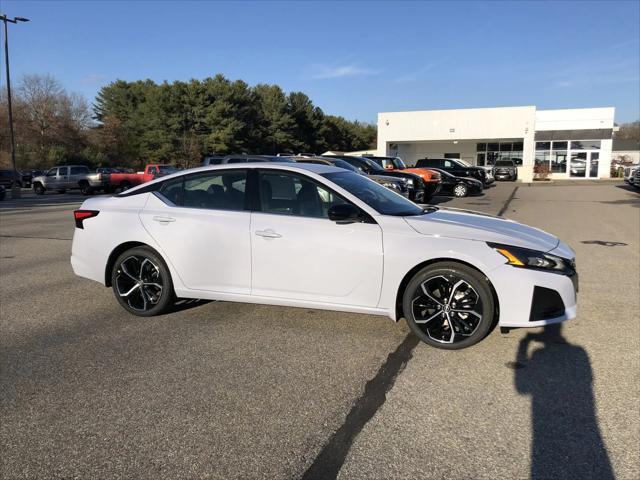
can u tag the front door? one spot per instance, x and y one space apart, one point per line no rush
201 225
584 164
299 254
62 180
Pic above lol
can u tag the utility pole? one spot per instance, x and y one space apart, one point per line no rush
15 188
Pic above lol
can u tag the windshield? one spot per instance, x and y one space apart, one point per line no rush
398 163
166 169
504 163
345 165
380 198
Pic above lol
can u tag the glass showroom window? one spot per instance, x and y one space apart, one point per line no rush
489 153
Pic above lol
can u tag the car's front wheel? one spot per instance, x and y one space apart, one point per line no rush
449 305
460 190
142 283
38 188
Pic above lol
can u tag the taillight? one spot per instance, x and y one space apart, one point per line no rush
81 215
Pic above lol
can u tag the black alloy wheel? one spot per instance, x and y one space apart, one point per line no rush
142 283
449 305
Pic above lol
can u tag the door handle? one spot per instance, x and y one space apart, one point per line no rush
268 233
164 220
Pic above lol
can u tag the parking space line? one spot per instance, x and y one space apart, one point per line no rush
329 461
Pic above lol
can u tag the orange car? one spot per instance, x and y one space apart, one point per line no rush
394 164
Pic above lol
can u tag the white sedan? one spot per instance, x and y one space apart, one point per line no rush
315 236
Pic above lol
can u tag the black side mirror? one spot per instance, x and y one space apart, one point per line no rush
345 213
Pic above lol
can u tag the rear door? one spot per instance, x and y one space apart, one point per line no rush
76 174
201 223
299 254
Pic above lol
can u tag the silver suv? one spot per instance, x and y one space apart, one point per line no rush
69 177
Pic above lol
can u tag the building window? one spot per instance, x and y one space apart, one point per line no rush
560 145
498 151
543 145
559 160
452 155
585 145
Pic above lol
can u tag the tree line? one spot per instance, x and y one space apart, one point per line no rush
139 122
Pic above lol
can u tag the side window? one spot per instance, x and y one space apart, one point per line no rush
290 194
153 171
63 171
79 170
220 190
448 164
172 190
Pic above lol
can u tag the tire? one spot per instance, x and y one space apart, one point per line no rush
142 264
86 189
38 189
428 317
460 190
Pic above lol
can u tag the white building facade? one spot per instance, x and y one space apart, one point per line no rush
570 143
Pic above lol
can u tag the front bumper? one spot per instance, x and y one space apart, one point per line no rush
522 302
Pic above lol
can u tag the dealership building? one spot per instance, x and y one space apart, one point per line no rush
572 143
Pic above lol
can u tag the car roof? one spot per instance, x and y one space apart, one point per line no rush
290 166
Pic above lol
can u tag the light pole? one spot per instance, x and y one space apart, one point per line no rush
15 188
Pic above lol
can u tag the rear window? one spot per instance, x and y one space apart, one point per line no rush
504 163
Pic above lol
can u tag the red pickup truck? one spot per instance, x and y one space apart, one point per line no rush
124 181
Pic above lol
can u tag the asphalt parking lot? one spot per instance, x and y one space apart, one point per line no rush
222 390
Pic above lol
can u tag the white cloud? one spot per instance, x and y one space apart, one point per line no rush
326 71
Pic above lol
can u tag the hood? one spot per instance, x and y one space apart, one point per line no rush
465 224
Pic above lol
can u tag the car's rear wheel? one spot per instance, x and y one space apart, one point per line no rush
142 282
85 188
460 190
449 305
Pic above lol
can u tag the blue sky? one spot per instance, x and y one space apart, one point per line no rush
352 58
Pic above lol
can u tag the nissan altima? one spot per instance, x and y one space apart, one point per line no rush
317 236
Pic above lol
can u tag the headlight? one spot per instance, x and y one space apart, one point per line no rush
523 257
392 185
409 182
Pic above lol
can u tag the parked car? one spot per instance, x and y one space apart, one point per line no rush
629 173
26 177
69 177
395 164
3 192
457 167
316 236
7 178
124 181
505 170
398 185
458 186
636 178
422 191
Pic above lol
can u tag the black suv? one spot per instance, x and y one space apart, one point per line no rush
506 169
419 191
456 167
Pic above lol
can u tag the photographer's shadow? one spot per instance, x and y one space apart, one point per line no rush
566 439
